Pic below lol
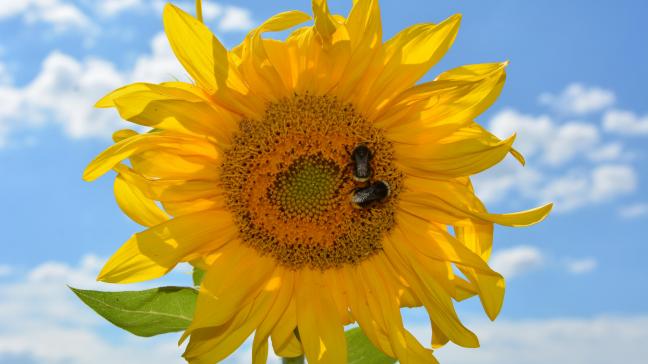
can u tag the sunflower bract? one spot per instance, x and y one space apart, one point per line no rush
247 174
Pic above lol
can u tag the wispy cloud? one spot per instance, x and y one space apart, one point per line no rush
115 7
516 261
582 266
520 260
634 211
578 99
66 88
62 15
579 189
571 163
625 123
5 270
235 19
596 340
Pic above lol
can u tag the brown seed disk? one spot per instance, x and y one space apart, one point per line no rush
288 178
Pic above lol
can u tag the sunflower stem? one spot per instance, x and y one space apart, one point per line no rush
199 10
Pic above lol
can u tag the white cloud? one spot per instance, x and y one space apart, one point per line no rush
60 14
581 266
65 90
571 139
540 135
571 164
5 270
115 7
577 189
607 152
610 181
596 340
236 19
625 123
211 10
578 99
5 76
44 322
159 66
516 261
634 210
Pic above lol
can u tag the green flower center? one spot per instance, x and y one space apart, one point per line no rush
308 187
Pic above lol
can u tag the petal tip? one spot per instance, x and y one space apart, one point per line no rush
88 175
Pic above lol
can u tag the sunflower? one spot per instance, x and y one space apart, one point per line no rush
315 182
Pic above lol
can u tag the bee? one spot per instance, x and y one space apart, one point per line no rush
367 196
361 156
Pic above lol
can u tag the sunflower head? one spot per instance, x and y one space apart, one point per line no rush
315 182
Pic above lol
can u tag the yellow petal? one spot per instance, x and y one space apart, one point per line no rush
439 339
233 281
259 69
259 350
408 56
284 342
381 296
201 54
213 344
320 330
364 30
172 164
171 190
364 25
466 152
324 22
477 236
371 323
284 296
490 289
207 61
179 208
108 99
436 301
144 142
175 109
434 208
431 111
340 296
135 205
463 289
437 244
311 62
154 252
122 134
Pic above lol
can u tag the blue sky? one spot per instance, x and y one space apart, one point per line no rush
575 94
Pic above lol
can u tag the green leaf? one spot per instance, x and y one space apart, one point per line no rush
144 313
362 351
198 275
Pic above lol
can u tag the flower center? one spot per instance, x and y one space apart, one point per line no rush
307 188
288 179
